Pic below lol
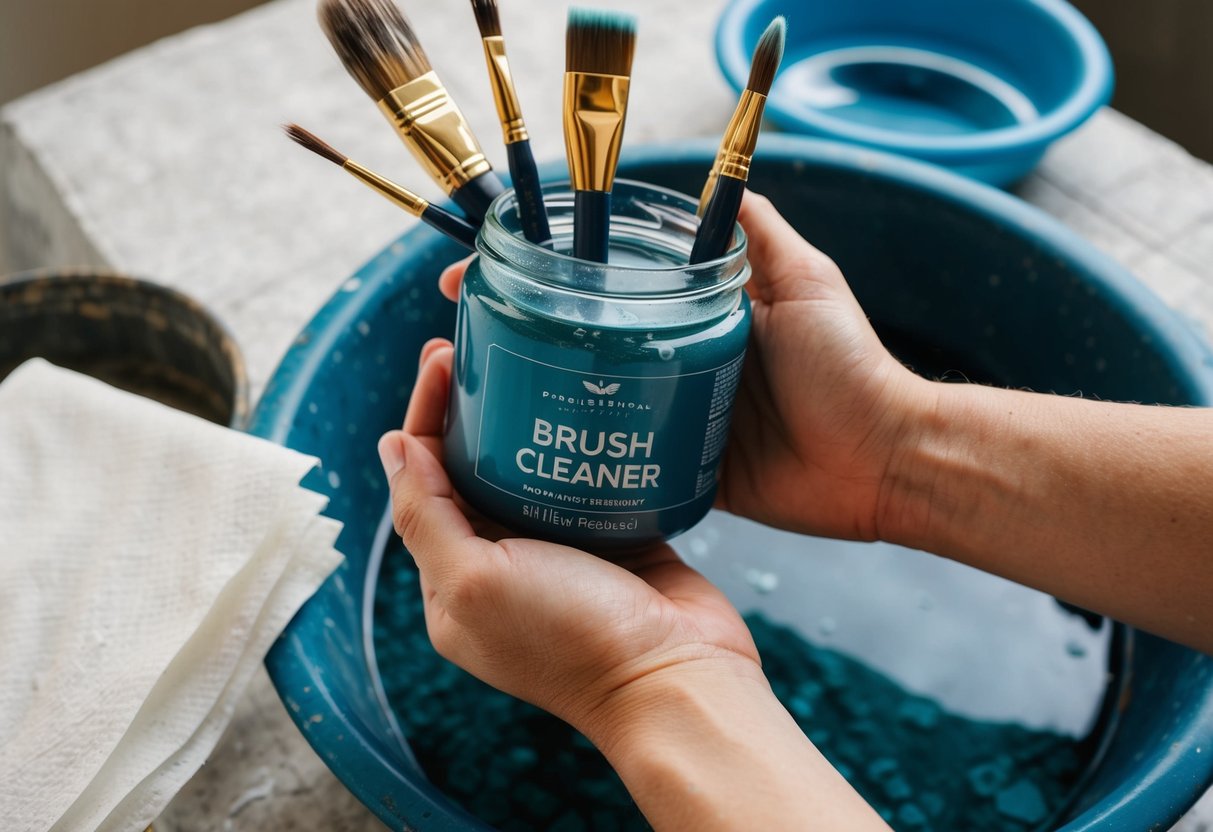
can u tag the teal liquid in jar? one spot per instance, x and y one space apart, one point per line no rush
590 402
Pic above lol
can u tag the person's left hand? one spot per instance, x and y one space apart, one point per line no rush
555 626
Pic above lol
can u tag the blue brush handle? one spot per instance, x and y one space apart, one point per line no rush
475 196
716 231
457 228
592 225
531 212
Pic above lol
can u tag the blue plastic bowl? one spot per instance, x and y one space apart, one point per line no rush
922 248
981 88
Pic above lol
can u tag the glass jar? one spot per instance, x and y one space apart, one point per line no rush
590 403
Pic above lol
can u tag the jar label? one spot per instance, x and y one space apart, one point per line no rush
599 443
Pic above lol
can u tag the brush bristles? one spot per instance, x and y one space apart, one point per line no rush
487 19
767 55
313 143
375 42
600 42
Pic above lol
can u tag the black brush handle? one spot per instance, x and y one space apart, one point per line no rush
457 228
475 196
592 225
716 230
530 196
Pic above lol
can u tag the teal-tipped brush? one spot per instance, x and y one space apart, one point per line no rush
598 65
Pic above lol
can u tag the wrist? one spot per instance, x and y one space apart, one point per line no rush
937 477
707 746
622 721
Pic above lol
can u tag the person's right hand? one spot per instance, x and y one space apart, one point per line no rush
822 407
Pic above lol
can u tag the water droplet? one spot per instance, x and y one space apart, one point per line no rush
665 352
351 285
698 547
762 582
579 332
1076 649
334 479
363 327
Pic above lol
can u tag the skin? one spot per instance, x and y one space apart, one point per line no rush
1104 505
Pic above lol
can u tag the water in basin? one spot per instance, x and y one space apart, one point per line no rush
906 89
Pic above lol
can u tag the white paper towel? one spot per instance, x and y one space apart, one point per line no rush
147 561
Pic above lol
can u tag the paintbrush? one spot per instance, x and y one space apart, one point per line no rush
525 176
457 228
598 65
380 50
722 193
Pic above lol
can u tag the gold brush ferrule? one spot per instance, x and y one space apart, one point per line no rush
709 187
432 127
594 109
741 137
513 129
403 197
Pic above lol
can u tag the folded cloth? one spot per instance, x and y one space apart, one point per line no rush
148 559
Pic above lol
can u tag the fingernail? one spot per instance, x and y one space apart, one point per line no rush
427 349
391 453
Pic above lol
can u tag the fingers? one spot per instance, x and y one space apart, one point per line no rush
451 277
427 349
786 266
423 509
427 405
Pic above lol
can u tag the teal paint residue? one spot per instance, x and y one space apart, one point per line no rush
518 768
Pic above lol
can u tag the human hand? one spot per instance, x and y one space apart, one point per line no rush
557 627
822 407
651 661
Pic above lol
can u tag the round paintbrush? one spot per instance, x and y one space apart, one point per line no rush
525 175
726 182
380 50
457 228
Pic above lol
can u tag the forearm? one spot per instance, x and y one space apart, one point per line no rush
1107 506
712 749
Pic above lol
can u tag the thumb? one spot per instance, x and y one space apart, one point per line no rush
786 266
434 530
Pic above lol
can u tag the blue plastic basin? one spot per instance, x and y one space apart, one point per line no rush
981 88
934 258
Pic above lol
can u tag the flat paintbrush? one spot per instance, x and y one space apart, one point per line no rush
598 67
722 193
380 50
457 228
523 172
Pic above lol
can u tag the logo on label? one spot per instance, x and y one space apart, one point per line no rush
600 389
